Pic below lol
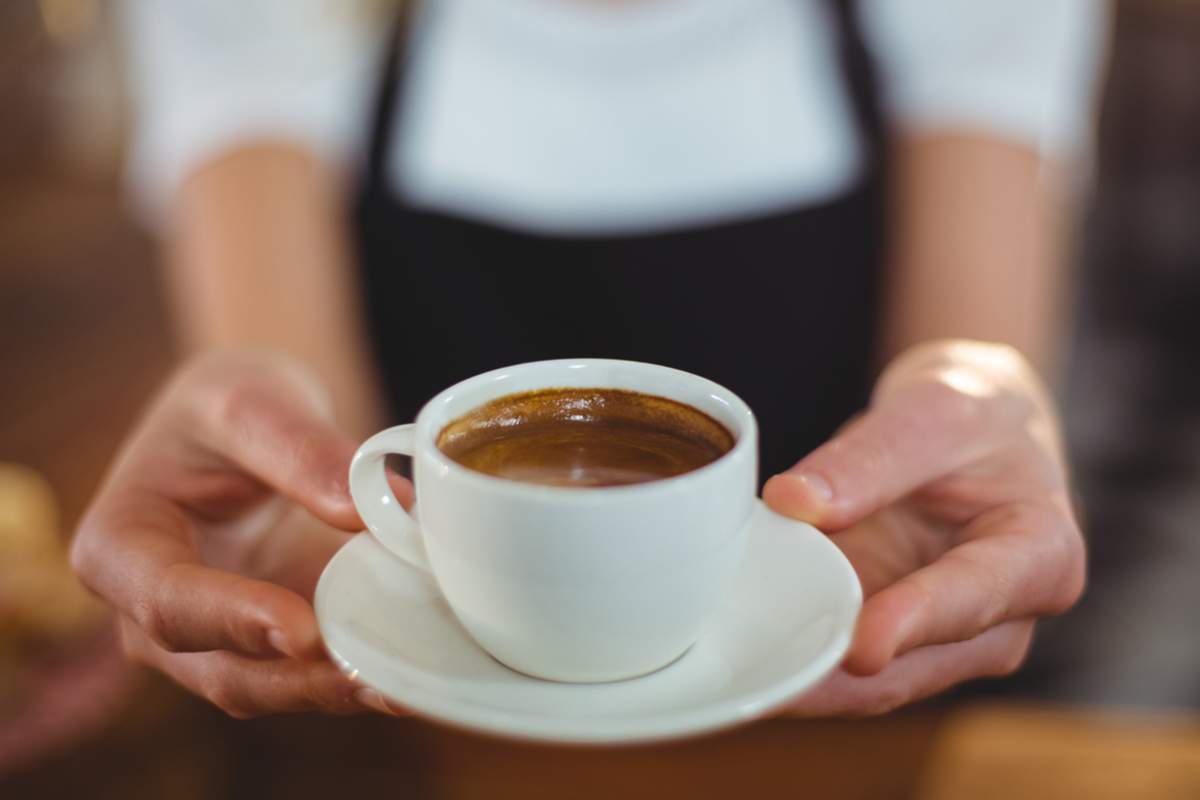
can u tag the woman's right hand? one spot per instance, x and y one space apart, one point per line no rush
209 534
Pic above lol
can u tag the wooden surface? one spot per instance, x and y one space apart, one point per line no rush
1048 753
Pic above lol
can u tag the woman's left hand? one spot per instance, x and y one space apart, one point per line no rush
950 498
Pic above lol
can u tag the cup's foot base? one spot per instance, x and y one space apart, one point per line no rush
592 681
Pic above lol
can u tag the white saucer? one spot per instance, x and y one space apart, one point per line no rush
786 622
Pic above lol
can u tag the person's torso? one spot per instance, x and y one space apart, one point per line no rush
587 117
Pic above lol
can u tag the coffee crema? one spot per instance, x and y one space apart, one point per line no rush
584 437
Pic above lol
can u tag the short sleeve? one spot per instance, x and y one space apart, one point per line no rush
1026 70
208 75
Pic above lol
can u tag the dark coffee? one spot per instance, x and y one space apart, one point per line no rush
584 437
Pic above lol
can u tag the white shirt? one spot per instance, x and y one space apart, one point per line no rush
592 116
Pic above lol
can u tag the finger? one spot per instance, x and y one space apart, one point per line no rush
882 549
271 417
246 687
375 700
919 674
288 446
144 564
919 433
1018 561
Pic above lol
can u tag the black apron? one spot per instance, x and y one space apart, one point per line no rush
781 309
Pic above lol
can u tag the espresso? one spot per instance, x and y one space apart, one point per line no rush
584 437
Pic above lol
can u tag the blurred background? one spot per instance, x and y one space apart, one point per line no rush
1109 705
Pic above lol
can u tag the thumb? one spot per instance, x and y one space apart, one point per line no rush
914 435
270 418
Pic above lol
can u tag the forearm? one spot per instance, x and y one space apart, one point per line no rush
259 257
978 246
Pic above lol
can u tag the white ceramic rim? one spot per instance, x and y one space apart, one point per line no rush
424 440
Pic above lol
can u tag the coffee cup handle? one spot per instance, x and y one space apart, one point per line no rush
392 526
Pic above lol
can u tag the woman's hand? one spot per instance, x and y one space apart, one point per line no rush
210 533
950 498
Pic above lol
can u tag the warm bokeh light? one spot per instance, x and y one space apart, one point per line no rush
68 22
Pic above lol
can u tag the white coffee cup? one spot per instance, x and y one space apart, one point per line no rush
569 584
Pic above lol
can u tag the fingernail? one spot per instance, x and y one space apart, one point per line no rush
817 486
279 642
373 700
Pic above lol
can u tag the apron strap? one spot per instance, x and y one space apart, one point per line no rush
387 93
860 76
